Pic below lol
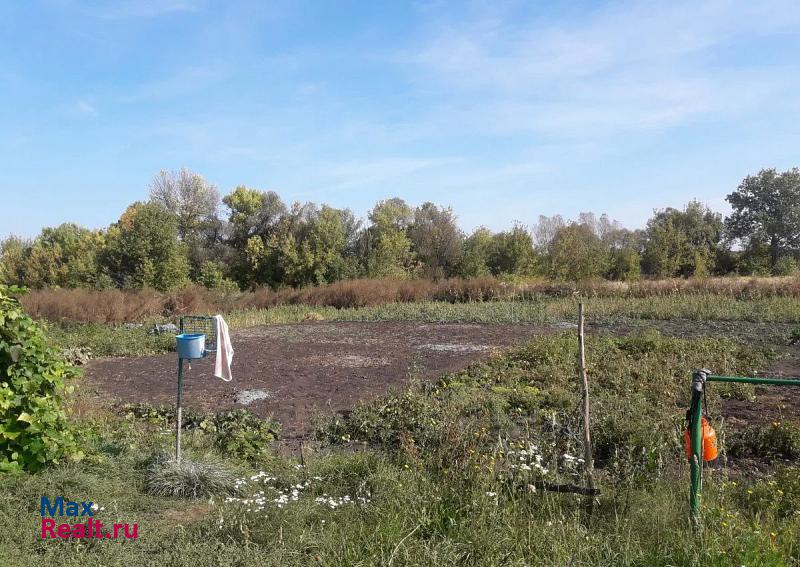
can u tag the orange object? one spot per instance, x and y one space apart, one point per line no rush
709 441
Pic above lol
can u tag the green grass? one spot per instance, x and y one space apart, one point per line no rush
690 307
435 467
770 319
104 340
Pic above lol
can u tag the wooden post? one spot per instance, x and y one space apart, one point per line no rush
587 436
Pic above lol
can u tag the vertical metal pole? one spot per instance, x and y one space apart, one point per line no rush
179 412
178 405
696 435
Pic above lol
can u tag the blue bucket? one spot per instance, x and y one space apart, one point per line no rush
191 345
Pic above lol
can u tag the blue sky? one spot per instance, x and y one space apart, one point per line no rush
504 110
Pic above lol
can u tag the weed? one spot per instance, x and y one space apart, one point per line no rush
234 433
778 439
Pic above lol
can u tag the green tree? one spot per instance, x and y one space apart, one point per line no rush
73 251
625 250
144 251
254 214
436 240
476 254
212 276
513 252
12 260
387 249
194 203
682 242
328 242
576 253
64 256
766 214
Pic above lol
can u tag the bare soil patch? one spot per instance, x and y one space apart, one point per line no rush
772 403
308 366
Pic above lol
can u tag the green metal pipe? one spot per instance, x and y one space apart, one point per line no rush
747 380
696 435
695 415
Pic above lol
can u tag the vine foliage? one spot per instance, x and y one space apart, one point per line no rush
34 430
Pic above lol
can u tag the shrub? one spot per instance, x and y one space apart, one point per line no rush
236 433
776 440
33 427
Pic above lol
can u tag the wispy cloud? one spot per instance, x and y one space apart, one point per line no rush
83 107
628 67
132 9
183 82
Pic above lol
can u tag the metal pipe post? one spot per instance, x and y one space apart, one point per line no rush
696 435
179 412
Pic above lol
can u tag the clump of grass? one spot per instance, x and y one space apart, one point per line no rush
188 478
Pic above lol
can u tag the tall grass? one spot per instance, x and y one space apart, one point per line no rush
116 306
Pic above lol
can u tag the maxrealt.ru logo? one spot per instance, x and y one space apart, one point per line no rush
90 528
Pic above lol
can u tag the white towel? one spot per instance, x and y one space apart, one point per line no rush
224 354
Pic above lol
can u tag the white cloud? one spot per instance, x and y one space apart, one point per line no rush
85 108
131 9
634 66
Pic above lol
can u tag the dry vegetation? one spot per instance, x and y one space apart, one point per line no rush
117 306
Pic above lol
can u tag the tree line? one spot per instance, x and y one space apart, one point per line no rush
187 233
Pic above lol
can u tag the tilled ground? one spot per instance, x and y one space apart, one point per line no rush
289 371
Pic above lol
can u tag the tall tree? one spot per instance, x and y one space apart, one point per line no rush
436 239
513 252
254 219
476 254
62 256
253 213
188 196
386 247
12 260
144 251
766 214
576 253
545 229
683 242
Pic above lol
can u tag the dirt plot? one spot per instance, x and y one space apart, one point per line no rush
286 371
772 403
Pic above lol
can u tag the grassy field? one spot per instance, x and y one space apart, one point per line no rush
771 317
446 474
